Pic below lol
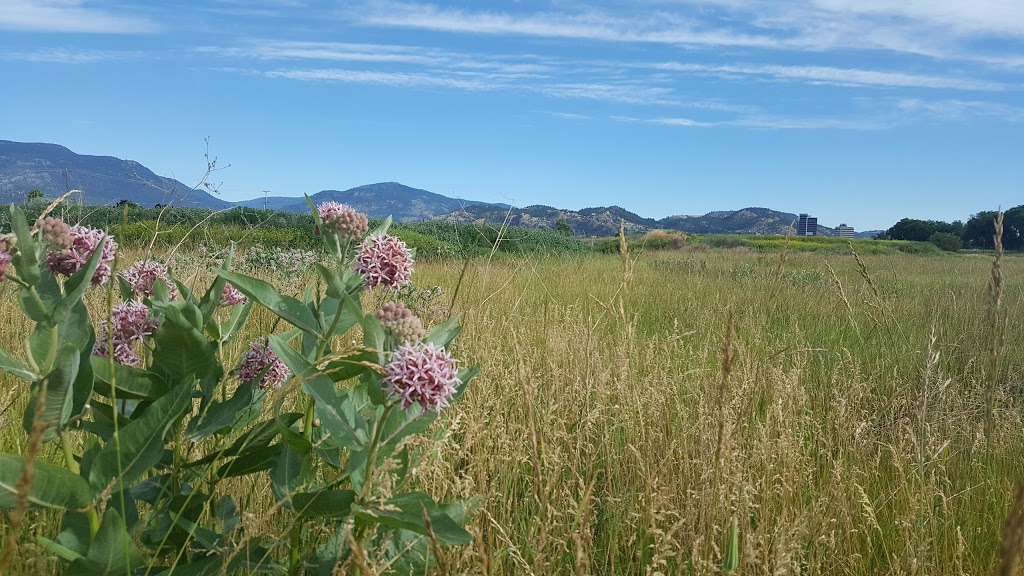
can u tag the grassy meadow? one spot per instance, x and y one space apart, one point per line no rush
630 412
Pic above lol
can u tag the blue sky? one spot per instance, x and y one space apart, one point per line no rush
857 111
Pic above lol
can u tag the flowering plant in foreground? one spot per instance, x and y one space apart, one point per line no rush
154 416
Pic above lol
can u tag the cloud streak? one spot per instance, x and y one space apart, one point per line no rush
69 16
69 56
941 29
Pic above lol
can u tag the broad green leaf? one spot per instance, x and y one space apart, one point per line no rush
105 414
252 461
43 346
260 436
351 365
35 305
126 382
15 367
335 287
405 511
373 386
289 473
77 331
113 549
205 537
181 350
289 309
324 504
59 550
211 299
125 288
444 334
52 486
404 423
226 332
26 262
373 336
313 210
227 514
351 314
337 414
161 292
382 229
245 404
249 558
137 447
74 533
59 393
151 489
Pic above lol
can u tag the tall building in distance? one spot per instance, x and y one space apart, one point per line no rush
807 226
845 231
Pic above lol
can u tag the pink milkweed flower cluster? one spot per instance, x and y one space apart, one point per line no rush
343 220
231 296
143 276
129 324
400 322
384 261
84 240
6 254
423 374
260 357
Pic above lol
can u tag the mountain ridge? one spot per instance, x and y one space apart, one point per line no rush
53 169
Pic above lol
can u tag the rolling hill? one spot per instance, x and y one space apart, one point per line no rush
106 180
102 179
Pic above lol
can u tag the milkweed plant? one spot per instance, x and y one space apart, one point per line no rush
157 426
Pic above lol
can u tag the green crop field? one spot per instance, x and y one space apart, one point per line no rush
845 415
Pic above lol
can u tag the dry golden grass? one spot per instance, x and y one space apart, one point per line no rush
848 425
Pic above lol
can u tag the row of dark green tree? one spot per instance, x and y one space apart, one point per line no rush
977 233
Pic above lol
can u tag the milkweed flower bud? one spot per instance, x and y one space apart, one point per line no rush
6 254
130 323
260 357
400 322
143 276
423 374
55 233
384 261
231 296
343 220
84 241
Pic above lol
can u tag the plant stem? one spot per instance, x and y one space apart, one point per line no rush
293 553
378 433
307 422
69 461
296 532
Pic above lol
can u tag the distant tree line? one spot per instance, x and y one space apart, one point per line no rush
976 233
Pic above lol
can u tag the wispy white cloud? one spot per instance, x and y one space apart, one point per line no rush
70 16
399 79
662 28
568 115
378 53
936 28
664 121
69 55
628 93
762 123
961 110
828 75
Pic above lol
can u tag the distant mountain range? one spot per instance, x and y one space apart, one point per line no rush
107 180
102 179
